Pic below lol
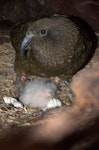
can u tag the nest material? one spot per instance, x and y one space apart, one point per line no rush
10 116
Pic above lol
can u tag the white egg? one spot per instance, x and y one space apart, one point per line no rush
17 104
9 100
54 103
13 101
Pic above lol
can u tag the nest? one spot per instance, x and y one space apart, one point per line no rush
14 117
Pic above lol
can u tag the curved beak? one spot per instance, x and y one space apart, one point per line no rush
25 43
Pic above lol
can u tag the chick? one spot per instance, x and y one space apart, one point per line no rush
37 93
54 46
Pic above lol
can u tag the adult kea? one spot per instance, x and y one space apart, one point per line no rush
54 46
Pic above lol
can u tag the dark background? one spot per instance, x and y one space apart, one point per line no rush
15 10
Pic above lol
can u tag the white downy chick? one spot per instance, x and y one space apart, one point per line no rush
37 93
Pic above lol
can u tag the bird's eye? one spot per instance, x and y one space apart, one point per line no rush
43 32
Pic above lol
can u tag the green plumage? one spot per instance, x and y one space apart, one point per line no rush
61 51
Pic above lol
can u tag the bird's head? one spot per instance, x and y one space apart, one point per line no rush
44 35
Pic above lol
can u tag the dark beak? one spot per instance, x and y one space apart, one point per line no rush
25 43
